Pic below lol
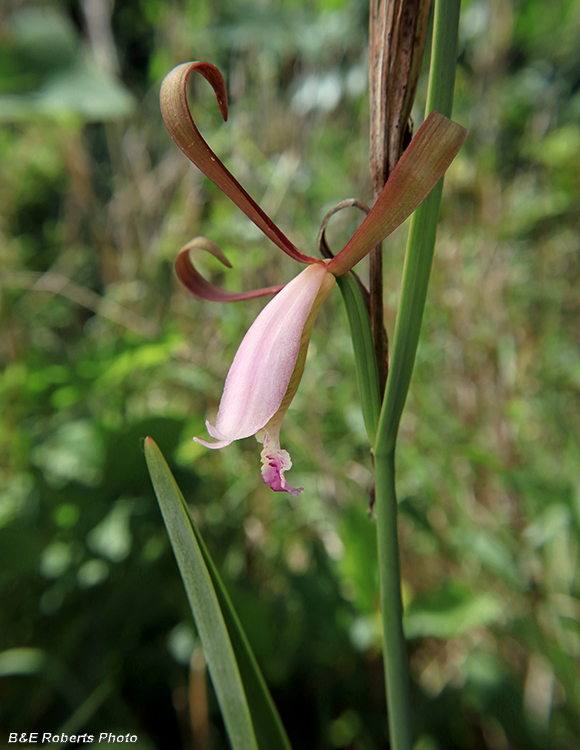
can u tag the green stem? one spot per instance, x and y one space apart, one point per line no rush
416 272
394 646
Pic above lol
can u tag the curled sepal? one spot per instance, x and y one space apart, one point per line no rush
179 122
194 281
419 169
268 366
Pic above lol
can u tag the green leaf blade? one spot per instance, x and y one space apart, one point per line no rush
364 353
202 597
268 728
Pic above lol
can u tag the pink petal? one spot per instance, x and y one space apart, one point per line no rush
221 440
264 365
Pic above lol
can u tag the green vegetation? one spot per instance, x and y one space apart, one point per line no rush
100 347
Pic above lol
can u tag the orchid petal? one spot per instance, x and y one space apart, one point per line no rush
220 441
194 281
179 122
264 364
267 369
419 169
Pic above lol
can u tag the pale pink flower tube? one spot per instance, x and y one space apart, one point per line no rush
267 369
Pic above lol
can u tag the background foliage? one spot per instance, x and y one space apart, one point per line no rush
100 347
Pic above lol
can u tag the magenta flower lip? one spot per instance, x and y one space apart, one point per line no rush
270 360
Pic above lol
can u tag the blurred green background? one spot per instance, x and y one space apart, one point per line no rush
100 347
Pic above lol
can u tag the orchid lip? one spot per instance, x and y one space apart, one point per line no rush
275 463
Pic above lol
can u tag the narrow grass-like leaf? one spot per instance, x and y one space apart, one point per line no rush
268 728
364 353
209 620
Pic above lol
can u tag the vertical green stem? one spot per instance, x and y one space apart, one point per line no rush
394 646
416 272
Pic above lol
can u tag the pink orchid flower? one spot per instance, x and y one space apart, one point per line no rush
268 366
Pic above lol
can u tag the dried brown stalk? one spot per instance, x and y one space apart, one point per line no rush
396 39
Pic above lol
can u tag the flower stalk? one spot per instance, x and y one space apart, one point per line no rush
417 269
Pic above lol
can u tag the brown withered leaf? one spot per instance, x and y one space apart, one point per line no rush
396 40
